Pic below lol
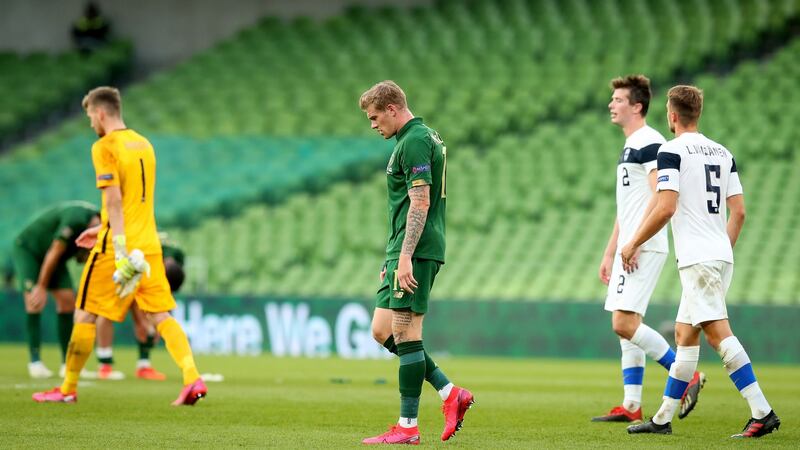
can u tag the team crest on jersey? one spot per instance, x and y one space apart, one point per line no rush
389 170
626 154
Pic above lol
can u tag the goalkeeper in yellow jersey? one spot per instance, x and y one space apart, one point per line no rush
125 263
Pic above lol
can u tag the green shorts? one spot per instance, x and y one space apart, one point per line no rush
391 296
26 270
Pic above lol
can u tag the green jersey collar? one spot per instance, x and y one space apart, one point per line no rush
407 126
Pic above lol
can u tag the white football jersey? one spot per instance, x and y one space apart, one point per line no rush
638 158
704 173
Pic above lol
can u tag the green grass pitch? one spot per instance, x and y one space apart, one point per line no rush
332 403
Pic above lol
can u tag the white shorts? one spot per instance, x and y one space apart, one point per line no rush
704 287
632 291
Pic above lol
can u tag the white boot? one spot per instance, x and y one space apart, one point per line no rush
39 370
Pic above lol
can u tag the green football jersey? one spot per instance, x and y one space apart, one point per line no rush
63 221
419 158
170 249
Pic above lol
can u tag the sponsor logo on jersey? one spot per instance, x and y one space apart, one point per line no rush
105 177
421 169
399 294
663 178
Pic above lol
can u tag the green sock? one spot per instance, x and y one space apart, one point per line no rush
64 333
145 347
433 374
35 336
412 375
389 345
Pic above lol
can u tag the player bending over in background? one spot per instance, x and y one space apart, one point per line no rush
40 255
697 177
414 254
113 277
629 292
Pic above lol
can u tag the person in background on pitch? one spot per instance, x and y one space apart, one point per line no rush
40 254
697 181
629 292
145 333
125 264
414 254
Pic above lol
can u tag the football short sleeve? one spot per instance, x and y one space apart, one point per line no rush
417 162
669 167
649 157
734 184
105 165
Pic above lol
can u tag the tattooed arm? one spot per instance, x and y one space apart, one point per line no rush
415 223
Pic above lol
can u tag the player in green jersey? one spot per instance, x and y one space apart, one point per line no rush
40 253
145 332
414 253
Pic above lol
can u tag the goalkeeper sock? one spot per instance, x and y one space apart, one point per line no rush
80 348
34 327
65 322
178 347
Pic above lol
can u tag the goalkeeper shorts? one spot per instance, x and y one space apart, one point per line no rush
97 291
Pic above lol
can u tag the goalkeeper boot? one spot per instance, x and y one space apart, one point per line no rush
55 396
650 427
191 393
759 427
396 435
690 396
620 414
454 409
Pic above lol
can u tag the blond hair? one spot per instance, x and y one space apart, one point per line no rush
105 96
382 95
687 102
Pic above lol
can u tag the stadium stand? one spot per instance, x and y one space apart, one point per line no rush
528 222
36 86
532 153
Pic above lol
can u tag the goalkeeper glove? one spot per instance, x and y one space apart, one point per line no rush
127 284
129 268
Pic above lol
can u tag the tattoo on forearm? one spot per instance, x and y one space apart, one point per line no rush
417 215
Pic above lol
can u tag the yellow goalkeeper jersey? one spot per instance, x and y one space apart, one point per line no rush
126 159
